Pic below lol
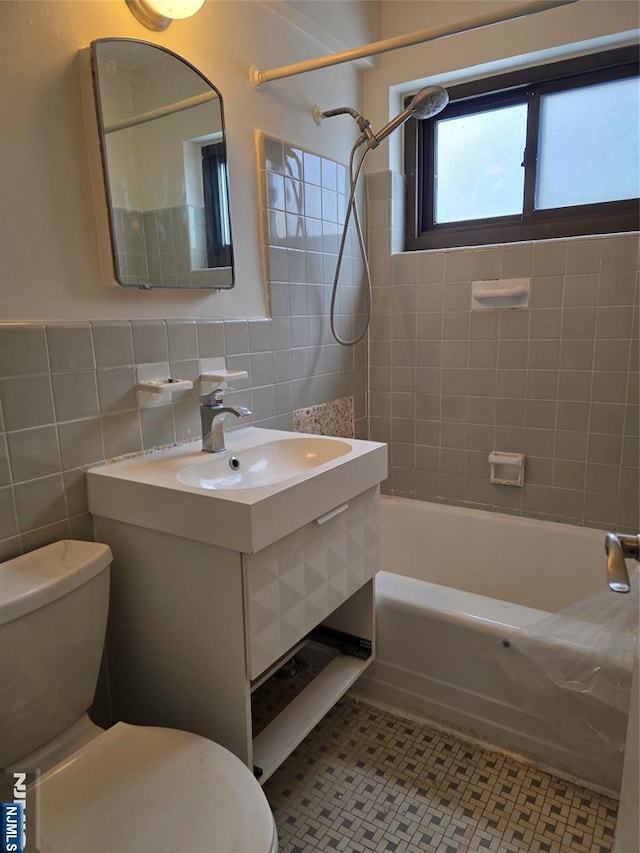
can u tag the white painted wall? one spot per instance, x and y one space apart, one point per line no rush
49 265
352 24
586 24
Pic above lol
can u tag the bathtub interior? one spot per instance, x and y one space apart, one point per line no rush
539 564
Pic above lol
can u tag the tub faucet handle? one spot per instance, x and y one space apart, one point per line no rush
618 547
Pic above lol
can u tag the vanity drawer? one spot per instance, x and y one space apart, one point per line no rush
295 583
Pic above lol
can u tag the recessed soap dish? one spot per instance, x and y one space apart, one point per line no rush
162 385
221 375
500 293
507 469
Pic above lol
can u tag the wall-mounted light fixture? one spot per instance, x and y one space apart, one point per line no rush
158 14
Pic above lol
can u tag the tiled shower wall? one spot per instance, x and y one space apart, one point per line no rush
304 202
67 391
557 381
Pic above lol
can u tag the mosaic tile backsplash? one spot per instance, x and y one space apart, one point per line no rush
332 418
557 381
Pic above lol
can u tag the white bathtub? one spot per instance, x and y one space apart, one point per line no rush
455 584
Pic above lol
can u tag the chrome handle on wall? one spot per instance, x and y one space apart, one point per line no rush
618 547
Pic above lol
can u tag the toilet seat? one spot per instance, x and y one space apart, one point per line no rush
142 789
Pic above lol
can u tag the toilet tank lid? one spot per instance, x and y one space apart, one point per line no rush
40 577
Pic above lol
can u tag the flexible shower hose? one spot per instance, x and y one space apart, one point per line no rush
352 207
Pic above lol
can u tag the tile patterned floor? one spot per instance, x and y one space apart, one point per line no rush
366 780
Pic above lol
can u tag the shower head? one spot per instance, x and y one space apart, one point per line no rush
426 103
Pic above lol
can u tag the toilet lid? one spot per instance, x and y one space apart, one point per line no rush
141 789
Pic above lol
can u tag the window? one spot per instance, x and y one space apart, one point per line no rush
216 207
547 152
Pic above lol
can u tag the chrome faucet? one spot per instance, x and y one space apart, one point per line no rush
618 548
212 412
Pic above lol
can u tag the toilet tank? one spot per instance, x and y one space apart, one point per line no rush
53 616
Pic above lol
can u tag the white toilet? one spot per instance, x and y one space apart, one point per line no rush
130 789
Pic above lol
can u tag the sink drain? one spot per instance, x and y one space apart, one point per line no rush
234 463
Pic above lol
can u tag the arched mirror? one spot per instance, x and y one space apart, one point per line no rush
162 139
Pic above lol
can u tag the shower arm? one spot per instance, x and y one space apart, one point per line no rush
363 124
258 77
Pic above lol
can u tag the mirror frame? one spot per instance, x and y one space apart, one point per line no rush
106 175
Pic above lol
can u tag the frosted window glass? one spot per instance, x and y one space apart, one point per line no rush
588 145
478 164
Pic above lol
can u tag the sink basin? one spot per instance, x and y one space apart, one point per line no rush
283 481
263 465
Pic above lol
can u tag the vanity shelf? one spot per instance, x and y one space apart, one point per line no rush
299 717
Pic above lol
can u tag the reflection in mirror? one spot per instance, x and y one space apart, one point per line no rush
164 157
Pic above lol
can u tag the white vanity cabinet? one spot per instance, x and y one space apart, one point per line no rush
219 579
195 628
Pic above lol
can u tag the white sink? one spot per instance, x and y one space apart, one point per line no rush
284 481
272 462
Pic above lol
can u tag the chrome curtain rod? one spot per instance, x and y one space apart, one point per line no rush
258 77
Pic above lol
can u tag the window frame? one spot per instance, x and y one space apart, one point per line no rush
213 156
528 85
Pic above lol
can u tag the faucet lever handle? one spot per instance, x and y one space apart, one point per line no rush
213 398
